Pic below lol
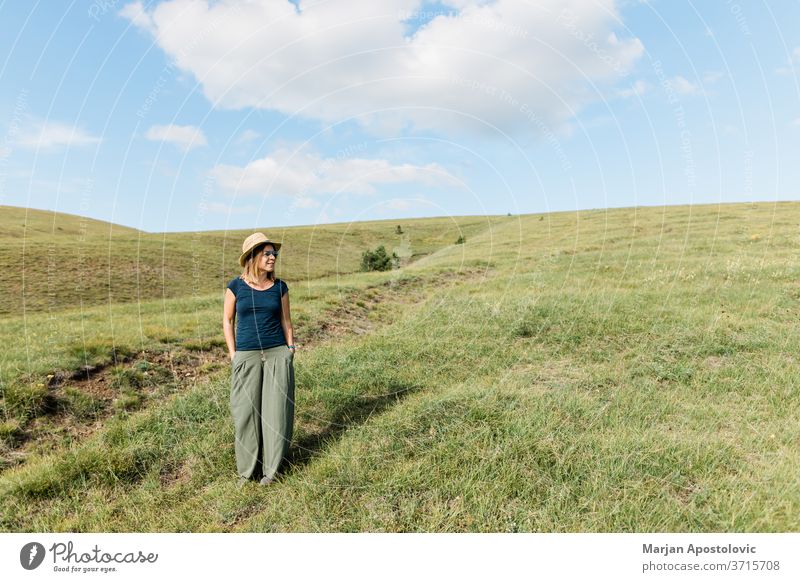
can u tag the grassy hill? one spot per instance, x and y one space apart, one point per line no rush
621 370
51 261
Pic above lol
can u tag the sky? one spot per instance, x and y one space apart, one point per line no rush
189 115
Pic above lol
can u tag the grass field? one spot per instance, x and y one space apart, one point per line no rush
620 370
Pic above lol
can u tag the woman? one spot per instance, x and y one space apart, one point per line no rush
262 354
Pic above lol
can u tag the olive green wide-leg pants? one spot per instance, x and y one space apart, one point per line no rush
262 405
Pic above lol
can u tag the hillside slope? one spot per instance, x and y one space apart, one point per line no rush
623 370
57 261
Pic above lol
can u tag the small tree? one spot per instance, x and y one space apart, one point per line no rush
379 260
398 230
461 240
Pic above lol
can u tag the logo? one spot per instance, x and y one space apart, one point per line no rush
31 555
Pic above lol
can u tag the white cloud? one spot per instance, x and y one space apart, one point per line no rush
184 137
247 136
305 175
136 13
333 60
683 86
51 135
639 88
796 122
793 61
5 152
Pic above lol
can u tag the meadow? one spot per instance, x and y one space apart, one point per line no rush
606 371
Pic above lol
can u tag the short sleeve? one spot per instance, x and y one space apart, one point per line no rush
284 288
234 285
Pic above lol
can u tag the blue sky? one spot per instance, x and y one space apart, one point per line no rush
188 115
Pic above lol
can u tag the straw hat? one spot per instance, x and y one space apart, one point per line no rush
251 242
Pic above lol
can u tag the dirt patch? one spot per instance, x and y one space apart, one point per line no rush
175 473
686 493
80 401
356 311
714 362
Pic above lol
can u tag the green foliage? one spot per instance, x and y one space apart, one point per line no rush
379 260
461 240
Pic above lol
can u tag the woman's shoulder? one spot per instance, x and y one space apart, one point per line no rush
234 283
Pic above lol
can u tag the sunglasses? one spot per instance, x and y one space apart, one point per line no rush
270 253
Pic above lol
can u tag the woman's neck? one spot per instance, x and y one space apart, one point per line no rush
263 280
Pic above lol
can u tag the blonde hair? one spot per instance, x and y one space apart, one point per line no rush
252 270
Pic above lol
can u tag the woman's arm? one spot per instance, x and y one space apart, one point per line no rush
286 319
228 317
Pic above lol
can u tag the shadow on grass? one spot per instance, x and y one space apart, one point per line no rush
355 412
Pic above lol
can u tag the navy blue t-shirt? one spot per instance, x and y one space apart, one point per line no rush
258 315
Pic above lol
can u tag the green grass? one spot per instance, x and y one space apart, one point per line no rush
625 370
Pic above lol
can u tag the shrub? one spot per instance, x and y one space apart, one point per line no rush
461 240
379 260
398 230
